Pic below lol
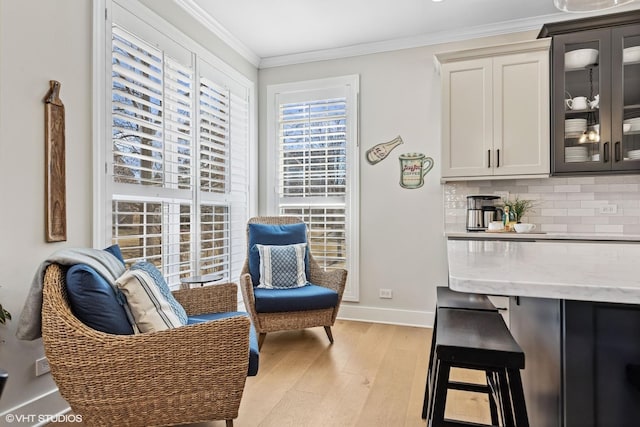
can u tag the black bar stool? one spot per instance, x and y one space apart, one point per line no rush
447 298
477 340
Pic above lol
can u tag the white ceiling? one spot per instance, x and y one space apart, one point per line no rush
265 29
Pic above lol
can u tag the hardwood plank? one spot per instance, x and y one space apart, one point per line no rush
373 375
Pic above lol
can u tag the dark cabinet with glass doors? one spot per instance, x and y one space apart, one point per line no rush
595 95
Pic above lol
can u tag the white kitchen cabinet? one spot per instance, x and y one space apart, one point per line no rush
495 111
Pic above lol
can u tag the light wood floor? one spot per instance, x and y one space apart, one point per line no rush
373 375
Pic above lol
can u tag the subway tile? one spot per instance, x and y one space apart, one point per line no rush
554 228
624 220
540 219
571 204
595 220
628 203
541 188
595 188
594 204
581 180
609 229
567 220
581 212
568 204
581 228
555 196
632 212
631 229
580 196
620 188
553 212
566 188
555 181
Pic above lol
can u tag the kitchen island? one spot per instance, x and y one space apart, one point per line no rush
575 311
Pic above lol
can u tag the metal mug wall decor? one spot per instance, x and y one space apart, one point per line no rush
413 168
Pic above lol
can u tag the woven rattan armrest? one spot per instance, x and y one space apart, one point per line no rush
218 298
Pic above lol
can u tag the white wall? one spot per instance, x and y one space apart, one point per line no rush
39 41
401 231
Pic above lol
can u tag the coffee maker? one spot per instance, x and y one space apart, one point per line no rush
481 211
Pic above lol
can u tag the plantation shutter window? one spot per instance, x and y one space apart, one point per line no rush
315 141
179 127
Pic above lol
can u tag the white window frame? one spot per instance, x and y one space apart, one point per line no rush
350 87
102 21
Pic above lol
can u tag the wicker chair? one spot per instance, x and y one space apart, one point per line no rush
189 374
292 320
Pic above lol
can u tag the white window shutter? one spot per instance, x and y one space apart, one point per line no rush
176 138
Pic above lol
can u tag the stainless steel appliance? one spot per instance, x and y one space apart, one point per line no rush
481 211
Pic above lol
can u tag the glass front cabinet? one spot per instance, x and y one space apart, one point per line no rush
595 99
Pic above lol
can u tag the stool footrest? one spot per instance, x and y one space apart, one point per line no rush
475 388
453 423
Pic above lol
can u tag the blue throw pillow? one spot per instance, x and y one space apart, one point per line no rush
269 234
115 251
94 302
282 267
155 274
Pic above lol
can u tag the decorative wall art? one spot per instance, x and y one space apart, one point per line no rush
413 168
379 152
55 186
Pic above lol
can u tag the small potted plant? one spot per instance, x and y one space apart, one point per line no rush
519 207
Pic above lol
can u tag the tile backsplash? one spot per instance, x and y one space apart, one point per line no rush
562 204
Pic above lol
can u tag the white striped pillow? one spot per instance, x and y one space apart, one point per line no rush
282 267
150 309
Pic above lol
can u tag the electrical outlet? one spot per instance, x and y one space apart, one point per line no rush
609 209
42 366
386 293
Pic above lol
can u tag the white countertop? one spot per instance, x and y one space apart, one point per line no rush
483 235
601 271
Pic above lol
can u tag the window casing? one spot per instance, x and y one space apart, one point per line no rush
176 175
313 166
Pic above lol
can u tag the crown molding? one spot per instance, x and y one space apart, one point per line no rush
429 39
216 28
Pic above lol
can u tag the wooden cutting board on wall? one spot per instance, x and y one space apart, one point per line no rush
55 179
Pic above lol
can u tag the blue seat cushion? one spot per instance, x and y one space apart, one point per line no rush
308 297
274 234
94 301
254 353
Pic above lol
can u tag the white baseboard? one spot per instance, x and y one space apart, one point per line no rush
39 411
421 319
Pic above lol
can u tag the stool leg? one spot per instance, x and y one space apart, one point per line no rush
519 404
505 397
493 410
439 396
425 404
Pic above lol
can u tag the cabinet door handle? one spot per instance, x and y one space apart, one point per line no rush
489 158
606 152
616 150
498 158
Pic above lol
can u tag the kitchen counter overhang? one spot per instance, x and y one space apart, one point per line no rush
572 270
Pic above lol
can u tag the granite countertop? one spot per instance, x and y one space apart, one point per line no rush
483 235
602 271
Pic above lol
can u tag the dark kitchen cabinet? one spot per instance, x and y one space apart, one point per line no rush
582 361
595 94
